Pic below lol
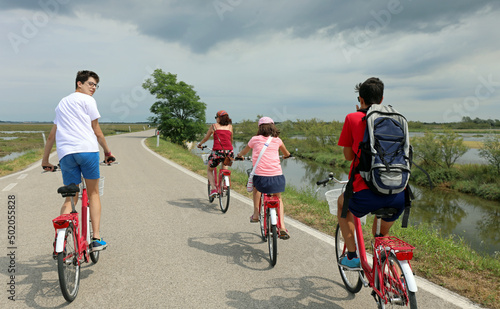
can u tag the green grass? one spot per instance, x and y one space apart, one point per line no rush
446 261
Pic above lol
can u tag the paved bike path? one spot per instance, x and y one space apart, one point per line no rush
170 248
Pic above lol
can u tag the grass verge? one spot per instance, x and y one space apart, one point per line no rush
447 262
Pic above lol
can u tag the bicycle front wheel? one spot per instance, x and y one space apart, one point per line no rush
394 285
68 266
351 278
262 219
272 239
224 195
94 255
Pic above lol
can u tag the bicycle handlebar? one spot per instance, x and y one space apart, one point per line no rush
55 168
250 158
330 178
111 160
243 158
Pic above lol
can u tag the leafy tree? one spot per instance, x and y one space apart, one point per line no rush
179 114
245 129
452 147
491 151
427 149
439 150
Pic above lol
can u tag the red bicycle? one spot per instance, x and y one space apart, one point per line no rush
222 180
391 276
269 219
72 245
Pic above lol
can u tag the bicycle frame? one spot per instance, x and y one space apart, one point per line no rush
380 247
390 276
81 231
271 205
219 178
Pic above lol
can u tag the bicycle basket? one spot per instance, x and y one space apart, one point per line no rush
331 197
204 157
403 250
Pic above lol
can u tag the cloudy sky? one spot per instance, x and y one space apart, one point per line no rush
287 59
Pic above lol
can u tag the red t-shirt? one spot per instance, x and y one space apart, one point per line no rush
351 135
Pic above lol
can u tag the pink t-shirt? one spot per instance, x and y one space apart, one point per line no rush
269 164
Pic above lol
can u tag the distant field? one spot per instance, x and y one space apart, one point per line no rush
25 138
473 144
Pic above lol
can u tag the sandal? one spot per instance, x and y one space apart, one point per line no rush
252 220
284 234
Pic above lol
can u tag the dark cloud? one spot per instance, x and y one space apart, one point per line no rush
201 24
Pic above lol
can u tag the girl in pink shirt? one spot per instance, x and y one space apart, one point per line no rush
268 176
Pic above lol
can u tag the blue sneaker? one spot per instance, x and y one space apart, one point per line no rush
354 263
98 244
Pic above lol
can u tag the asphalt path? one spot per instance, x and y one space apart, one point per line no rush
169 247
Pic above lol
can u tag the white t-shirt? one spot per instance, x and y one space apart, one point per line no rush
74 116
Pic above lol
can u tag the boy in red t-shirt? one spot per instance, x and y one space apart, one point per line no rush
363 201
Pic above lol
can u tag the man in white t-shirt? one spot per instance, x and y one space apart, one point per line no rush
77 135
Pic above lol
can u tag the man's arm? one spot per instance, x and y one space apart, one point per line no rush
48 148
348 153
101 139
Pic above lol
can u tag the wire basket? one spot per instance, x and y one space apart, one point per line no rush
401 249
331 197
204 157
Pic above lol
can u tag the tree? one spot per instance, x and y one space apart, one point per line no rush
452 147
179 114
427 149
438 149
491 151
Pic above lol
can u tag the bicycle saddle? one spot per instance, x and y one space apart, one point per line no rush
69 190
385 212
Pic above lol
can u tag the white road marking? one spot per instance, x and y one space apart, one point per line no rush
22 176
10 186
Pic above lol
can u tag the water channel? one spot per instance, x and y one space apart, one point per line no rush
475 220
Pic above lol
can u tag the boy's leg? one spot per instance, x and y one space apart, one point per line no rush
384 227
95 205
346 225
66 207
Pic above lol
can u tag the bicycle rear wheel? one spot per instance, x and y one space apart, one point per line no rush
272 239
224 195
394 281
68 266
262 220
210 198
94 255
351 278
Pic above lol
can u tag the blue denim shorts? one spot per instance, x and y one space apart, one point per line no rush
365 201
269 184
74 165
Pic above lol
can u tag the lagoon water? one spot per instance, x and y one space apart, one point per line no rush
475 220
